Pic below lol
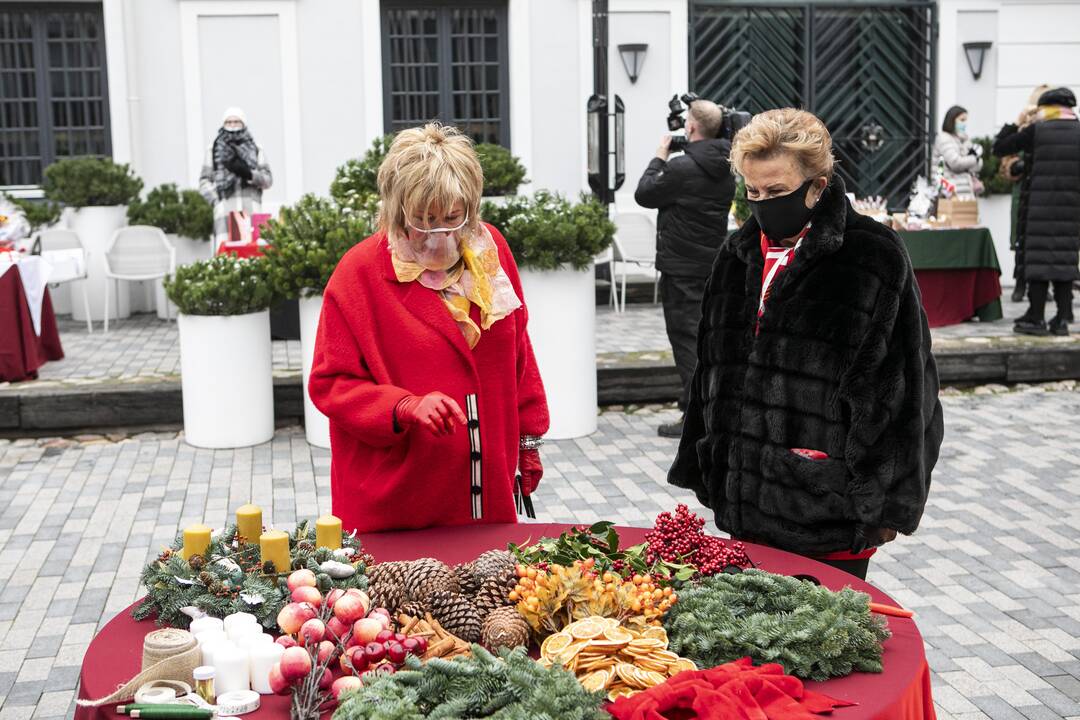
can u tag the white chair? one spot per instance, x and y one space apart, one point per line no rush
64 251
608 258
137 252
635 244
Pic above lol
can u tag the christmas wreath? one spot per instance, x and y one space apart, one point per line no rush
230 577
811 631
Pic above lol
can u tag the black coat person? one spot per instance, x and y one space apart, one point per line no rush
1048 229
693 193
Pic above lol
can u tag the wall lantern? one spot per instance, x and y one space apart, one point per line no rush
633 57
976 56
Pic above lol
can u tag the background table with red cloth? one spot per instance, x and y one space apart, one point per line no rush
902 692
22 351
958 274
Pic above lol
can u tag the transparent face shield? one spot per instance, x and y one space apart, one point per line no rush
436 248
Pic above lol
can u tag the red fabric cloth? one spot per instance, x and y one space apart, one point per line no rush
731 691
22 351
951 297
848 555
380 340
902 692
248 250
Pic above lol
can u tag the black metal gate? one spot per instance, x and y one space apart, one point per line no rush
865 68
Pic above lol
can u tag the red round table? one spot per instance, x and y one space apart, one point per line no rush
902 692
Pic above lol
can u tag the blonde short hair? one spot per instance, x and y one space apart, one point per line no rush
429 167
786 130
708 116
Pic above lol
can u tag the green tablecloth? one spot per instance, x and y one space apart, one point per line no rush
951 249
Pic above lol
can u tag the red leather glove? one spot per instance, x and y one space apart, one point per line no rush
531 470
434 412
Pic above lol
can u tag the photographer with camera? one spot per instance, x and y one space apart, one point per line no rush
693 193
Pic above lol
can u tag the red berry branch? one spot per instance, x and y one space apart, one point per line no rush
680 538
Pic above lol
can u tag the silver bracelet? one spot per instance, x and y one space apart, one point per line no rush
531 442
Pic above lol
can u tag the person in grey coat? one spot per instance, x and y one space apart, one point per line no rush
958 157
234 173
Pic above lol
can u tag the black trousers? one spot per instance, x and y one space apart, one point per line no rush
1037 292
857 568
682 297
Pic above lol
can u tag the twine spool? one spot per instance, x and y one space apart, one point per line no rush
168 654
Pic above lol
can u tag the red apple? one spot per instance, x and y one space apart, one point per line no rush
337 629
344 684
357 659
396 653
308 594
383 669
362 597
421 645
374 652
365 630
278 684
384 636
333 596
381 611
349 608
400 637
313 631
293 616
326 650
295 663
301 578
410 646
327 679
385 620
286 641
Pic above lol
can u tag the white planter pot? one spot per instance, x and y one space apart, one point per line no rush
316 425
95 226
994 214
228 389
188 251
562 327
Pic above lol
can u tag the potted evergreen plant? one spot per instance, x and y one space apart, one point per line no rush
186 219
97 190
503 172
554 242
305 245
225 356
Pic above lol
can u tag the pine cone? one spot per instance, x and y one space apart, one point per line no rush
196 562
428 575
413 608
504 627
492 563
386 584
495 591
466 578
456 614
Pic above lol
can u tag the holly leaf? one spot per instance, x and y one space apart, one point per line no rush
613 540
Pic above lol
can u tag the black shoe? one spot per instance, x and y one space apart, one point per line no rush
1024 326
1018 293
671 430
1059 326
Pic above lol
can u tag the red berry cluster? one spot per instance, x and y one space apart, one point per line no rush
680 538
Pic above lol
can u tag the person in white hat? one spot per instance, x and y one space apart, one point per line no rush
234 173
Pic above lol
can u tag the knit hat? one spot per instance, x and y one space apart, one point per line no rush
1058 96
234 112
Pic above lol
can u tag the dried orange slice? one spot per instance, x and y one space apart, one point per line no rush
652 678
597 680
586 629
568 657
555 644
681 665
657 633
619 635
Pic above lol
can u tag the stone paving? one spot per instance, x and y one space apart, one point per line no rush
146 348
993 573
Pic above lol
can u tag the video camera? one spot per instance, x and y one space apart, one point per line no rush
733 121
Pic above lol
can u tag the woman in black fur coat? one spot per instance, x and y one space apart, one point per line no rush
814 420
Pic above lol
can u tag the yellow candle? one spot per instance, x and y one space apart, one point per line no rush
274 546
196 540
249 522
328 532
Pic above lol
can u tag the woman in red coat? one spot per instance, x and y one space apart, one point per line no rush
422 361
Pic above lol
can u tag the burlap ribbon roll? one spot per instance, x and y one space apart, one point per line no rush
168 654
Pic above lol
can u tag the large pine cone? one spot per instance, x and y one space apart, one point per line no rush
504 627
466 579
428 575
492 563
413 608
456 614
386 584
495 591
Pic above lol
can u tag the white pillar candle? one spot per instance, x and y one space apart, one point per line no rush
208 636
211 650
240 618
231 670
254 640
206 623
263 657
239 631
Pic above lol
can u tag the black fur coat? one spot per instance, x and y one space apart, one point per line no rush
841 364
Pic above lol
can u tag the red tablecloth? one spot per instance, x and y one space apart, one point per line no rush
954 296
22 351
902 692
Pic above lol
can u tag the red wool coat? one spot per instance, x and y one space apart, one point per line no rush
380 340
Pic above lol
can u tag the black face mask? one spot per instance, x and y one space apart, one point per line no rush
784 216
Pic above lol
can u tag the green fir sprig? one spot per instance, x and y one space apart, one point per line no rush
508 687
813 632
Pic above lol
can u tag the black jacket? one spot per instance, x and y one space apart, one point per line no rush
1048 219
694 193
841 364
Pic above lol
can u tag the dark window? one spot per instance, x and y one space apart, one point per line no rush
53 100
448 64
